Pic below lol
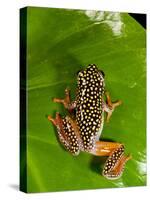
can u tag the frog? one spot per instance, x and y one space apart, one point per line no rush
80 130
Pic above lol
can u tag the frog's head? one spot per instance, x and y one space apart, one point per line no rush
91 76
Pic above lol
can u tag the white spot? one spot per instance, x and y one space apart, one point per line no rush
83 92
80 74
83 81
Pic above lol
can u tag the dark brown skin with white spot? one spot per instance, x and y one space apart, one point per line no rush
81 132
89 110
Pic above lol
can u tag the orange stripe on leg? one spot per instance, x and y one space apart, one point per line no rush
105 148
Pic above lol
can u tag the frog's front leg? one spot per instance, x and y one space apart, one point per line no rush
110 106
68 133
68 104
115 163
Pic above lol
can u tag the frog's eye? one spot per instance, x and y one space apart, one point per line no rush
103 74
79 73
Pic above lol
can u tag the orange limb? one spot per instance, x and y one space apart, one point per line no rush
72 144
110 106
116 172
115 163
66 101
57 121
105 148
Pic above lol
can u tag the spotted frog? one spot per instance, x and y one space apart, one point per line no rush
81 129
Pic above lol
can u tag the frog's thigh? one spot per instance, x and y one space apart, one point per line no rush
105 148
66 133
66 101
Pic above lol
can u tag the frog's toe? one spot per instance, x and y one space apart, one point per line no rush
56 121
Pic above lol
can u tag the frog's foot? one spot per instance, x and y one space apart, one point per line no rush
66 101
57 121
109 106
115 163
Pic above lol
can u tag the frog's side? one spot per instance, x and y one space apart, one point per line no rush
83 132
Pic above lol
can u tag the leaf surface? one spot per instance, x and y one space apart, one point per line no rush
59 43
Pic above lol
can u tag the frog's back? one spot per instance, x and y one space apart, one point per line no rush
89 105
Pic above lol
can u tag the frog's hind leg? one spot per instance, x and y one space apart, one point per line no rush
109 106
67 133
115 163
66 101
58 122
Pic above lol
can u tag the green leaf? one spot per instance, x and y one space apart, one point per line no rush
59 43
